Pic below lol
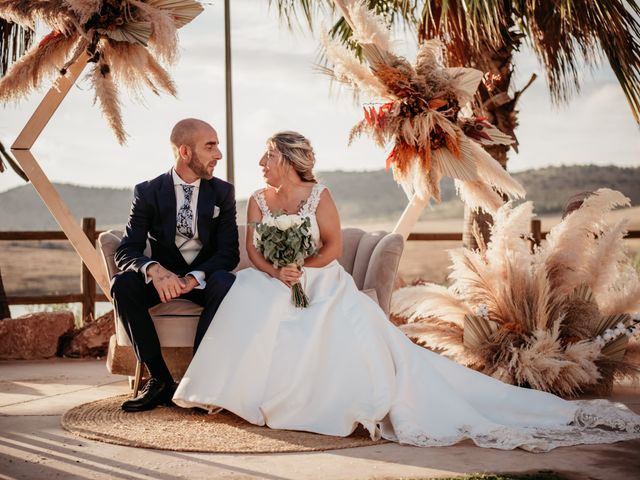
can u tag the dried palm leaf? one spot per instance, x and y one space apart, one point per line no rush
182 11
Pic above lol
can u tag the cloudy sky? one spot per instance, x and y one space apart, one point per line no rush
275 87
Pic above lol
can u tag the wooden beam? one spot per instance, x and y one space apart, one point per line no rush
410 216
11 235
61 213
52 199
43 299
48 106
435 237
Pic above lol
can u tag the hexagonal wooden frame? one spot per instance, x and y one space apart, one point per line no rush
21 149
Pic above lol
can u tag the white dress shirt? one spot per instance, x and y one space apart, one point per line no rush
189 247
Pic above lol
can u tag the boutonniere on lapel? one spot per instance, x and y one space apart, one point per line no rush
216 211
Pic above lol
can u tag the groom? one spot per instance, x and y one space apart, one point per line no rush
189 218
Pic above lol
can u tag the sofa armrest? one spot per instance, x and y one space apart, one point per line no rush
383 267
108 243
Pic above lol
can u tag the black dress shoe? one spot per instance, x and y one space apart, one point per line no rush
155 392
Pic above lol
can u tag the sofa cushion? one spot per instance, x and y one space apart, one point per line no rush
383 266
350 240
173 330
366 245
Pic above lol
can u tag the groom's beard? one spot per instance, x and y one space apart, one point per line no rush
198 168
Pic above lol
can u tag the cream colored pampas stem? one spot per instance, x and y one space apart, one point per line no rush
107 96
40 63
536 318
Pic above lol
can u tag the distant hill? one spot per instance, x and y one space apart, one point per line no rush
360 196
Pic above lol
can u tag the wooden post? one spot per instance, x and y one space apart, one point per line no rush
4 303
88 283
410 216
536 233
228 95
21 151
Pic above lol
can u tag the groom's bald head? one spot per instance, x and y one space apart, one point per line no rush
185 131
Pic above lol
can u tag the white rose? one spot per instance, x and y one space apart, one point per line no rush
297 220
269 221
284 222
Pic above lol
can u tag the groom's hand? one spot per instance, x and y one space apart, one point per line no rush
188 283
166 282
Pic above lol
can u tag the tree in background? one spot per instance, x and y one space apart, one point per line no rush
565 36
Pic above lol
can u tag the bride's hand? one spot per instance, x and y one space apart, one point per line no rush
289 275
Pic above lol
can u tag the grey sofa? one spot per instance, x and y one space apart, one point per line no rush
372 259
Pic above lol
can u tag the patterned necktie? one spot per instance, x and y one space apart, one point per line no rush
185 214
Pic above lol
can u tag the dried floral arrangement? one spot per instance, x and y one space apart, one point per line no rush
125 39
425 114
560 318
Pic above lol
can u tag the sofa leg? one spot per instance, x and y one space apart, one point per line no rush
136 381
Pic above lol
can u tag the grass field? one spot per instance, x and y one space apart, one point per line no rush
52 267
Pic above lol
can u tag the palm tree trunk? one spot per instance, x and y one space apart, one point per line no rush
499 106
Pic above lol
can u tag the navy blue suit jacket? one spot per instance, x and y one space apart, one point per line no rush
153 217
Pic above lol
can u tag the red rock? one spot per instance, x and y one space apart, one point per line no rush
33 336
92 340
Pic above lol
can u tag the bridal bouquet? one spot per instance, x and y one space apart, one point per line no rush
286 240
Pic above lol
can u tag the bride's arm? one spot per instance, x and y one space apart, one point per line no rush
286 275
330 232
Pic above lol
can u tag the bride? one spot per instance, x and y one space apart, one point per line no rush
340 362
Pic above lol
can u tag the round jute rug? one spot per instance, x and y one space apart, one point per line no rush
188 430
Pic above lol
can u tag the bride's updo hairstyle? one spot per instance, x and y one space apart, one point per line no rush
296 151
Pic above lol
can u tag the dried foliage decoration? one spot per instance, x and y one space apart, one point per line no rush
563 318
122 37
423 114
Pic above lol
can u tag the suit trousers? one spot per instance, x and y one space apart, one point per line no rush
133 298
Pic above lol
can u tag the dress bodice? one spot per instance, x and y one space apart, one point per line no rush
307 210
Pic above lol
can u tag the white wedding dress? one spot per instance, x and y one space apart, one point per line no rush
340 363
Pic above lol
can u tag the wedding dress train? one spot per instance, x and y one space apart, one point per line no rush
340 363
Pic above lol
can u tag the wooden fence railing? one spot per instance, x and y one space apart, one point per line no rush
88 296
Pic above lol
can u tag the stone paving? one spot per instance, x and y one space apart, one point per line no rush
34 395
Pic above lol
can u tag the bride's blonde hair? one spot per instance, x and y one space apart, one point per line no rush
296 151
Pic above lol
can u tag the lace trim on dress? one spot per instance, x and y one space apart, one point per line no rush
595 421
262 203
310 206
308 209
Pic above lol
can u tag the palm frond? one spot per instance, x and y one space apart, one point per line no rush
567 33
564 34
